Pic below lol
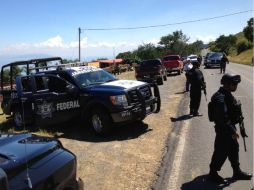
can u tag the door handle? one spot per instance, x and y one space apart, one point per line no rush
39 100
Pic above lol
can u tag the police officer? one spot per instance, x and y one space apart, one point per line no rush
197 82
187 66
223 62
225 118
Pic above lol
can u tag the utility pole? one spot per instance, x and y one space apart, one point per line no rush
79 33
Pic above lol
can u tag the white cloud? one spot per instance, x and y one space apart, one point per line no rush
205 39
55 42
56 46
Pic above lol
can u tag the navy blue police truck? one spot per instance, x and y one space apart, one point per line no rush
33 162
46 91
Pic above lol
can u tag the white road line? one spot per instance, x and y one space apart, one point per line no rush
174 173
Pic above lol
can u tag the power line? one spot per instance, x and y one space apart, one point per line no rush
170 24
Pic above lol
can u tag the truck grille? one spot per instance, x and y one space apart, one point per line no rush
145 91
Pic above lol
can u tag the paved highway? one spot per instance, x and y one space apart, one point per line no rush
190 146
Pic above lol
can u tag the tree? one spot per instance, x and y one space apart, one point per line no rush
146 51
174 43
224 43
195 47
248 30
169 40
128 57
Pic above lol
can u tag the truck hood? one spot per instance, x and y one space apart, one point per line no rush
117 86
124 84
16 149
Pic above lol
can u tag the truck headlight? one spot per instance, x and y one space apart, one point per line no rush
119 100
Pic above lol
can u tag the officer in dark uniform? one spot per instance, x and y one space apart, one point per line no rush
225 118
197 82
223 62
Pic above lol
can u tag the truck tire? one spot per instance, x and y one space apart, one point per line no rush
165 78
18 118
160 81
101 121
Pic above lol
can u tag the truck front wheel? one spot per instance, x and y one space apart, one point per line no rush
165 78
101 121
160 81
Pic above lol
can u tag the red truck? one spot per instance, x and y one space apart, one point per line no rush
173 63
151 71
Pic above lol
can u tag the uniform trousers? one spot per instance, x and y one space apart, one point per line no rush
195 97
225 147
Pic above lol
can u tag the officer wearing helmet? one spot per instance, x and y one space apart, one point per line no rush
197 82
226 144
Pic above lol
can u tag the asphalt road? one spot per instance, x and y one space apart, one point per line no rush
190 145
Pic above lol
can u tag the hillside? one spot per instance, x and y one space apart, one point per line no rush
244 58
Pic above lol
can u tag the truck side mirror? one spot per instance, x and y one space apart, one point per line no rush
71 89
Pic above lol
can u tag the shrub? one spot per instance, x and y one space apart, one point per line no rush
242 46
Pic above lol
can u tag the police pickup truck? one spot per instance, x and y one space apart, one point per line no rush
34 162
45 91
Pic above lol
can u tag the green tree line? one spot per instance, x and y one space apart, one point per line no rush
234 44
175 43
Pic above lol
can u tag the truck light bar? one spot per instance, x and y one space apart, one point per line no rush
59 67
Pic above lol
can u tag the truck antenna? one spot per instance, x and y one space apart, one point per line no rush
28 179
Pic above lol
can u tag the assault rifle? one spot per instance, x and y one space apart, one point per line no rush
204 89
241 125
205 94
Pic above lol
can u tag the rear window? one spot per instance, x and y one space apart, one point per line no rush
216 55
193 57
150 63
171 58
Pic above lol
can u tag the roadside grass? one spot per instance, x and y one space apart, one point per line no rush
243 58
128 75
7 126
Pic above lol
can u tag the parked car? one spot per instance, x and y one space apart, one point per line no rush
173 63
52 94
206 57
33 162
151 71
214 59
193 57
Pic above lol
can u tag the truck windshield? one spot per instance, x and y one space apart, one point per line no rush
95 77
216 55
150 63
171 58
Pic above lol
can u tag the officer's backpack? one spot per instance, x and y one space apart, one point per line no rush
211 111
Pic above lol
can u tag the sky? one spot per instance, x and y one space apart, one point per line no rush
36 28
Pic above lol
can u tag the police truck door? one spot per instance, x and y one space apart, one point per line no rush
53 104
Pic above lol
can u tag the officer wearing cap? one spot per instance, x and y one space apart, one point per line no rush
197 82
187 67
223 62
226 144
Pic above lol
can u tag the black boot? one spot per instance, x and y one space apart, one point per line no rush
213 176
196 113
240 175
